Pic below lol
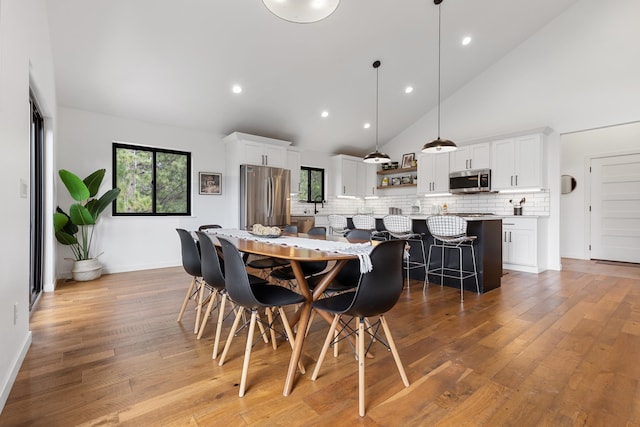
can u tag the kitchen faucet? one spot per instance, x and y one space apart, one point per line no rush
315 204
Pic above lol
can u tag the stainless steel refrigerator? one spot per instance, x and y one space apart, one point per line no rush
264 196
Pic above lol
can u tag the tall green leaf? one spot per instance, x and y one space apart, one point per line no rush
96 206
59 221
66 238
81 215
77 188
93 181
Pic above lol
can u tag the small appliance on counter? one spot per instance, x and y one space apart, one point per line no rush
395 211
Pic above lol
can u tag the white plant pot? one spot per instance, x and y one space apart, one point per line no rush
85 270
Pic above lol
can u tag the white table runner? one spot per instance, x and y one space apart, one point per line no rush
361 250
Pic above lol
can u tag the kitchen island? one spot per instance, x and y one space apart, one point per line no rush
488 249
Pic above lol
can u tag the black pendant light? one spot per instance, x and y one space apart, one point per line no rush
376 156
302 11
439 145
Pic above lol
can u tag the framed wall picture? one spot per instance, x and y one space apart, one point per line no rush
407 160
210 183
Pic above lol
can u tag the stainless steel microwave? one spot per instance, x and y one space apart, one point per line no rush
470 181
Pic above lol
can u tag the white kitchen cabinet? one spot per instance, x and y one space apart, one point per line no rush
476 156
345 175
521 247
248 149
293 164
517 163
433 173
371 180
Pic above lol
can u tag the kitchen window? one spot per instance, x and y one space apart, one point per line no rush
311 184
152 181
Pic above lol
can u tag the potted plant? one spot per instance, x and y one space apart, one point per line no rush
75 229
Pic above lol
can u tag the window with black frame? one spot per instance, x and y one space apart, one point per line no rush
152 181
311 184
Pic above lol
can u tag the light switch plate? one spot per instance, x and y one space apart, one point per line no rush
24 189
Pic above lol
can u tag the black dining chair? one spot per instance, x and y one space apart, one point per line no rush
309 268
212 267
191 264
252 298
376 293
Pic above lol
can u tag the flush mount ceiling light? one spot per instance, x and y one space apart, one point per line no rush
439 145
376 156
302 11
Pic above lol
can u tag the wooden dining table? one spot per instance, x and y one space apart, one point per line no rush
296 255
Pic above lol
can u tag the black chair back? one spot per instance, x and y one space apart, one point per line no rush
190 253
290 229
210 262
379 290
358 235
236 277
208 226
317 231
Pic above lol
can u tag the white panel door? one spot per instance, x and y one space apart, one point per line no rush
615 208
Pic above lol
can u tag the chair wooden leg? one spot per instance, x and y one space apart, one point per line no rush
199 308
247 353
335 343
394 351
265 338
232 332
207 313
272 332
186 299
216 341
361 358
325 347
291 338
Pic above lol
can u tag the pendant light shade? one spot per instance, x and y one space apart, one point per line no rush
439 145
302 11
376 156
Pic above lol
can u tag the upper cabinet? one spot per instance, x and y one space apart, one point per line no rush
243 148
518 163
293 164
351 176
433 173
476 156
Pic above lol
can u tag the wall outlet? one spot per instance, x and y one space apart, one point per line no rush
15 314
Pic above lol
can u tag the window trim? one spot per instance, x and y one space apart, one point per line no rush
308 170
154 151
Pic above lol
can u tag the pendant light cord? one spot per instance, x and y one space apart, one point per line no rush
439 67
377 90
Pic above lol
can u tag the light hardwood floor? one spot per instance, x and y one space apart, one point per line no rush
555 349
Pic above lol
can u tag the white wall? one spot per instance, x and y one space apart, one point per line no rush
577 149
135 243
25 57
578 72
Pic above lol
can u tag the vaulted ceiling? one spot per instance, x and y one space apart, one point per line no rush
174 62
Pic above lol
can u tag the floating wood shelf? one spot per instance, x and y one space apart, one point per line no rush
385 187
397 171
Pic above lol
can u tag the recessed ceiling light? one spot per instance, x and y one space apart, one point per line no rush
325 114
466 40
367 125
408 89
236 88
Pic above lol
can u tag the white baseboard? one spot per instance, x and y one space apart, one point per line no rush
15 368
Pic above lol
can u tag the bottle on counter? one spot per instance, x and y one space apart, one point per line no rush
385 181
444 209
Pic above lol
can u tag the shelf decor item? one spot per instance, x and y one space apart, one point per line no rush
408 159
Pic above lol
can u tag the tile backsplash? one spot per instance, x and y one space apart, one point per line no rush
537 203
